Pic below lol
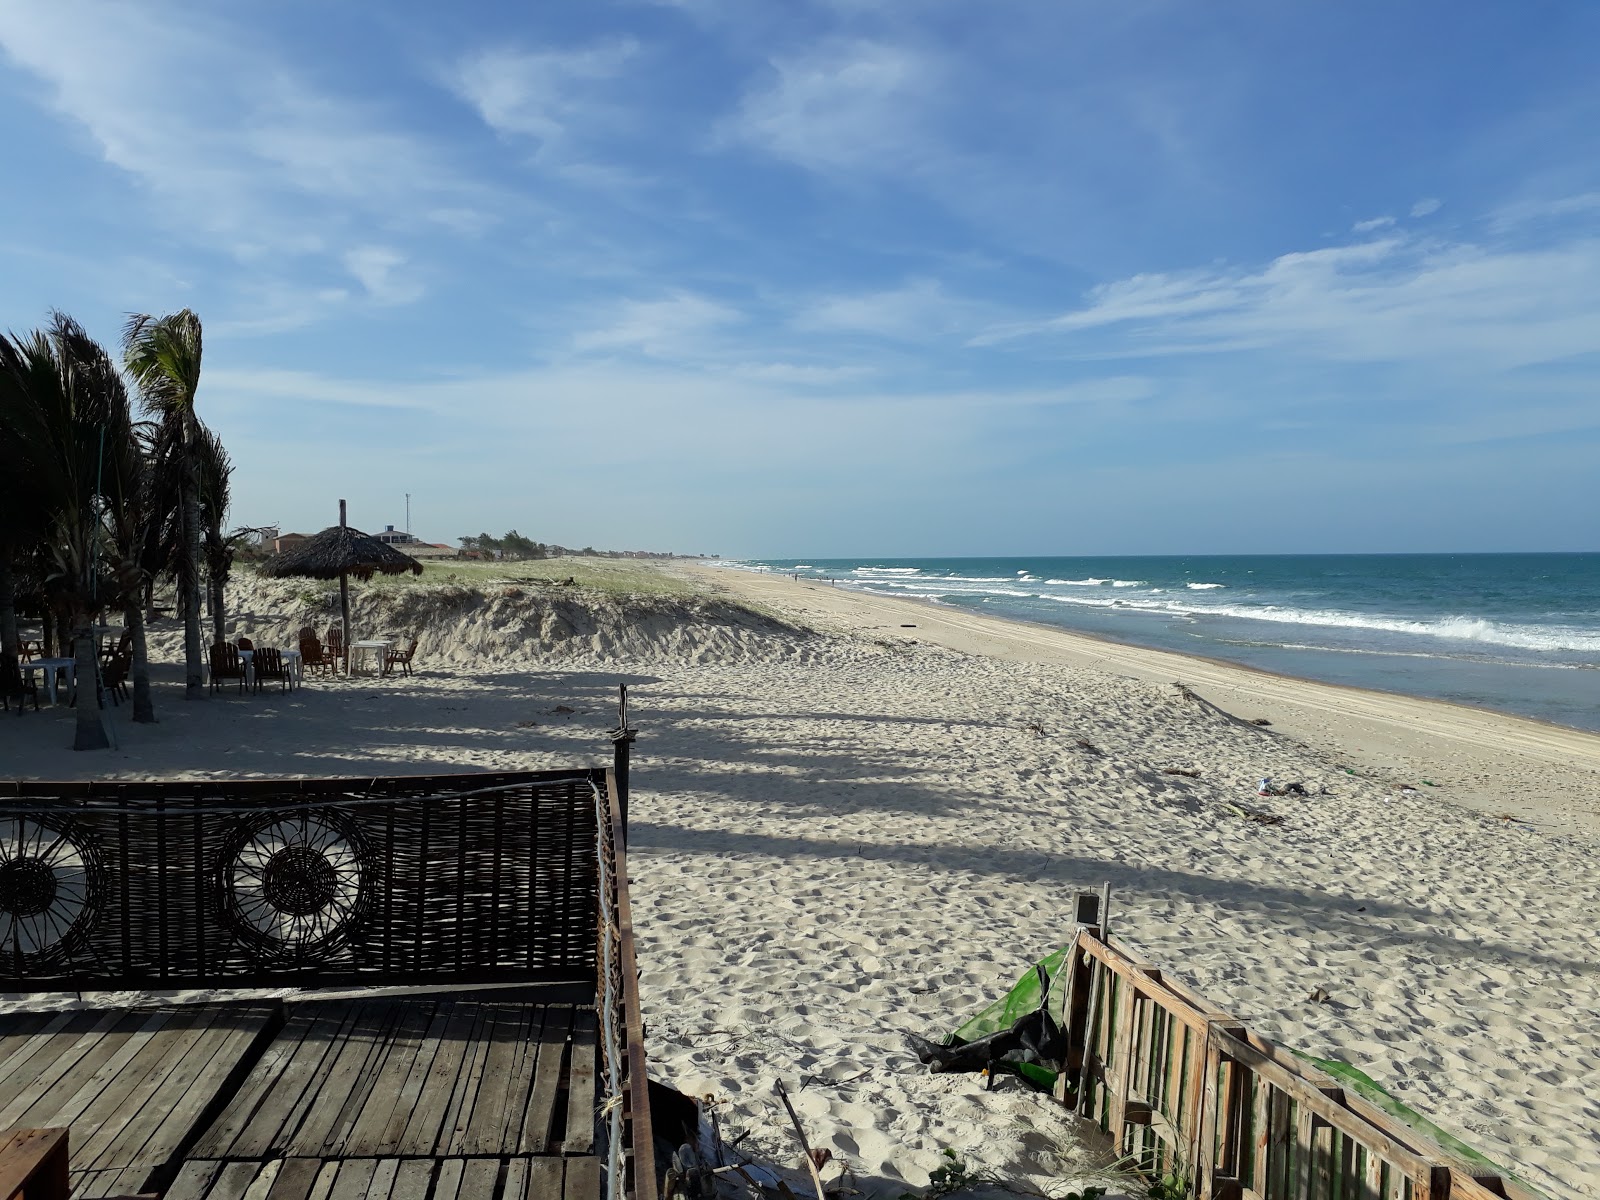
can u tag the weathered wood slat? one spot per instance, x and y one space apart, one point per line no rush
480 1177
131 1077
583 1179
293 1088
417 1076
239 1030
539 1119
547 1179
581 1096
52 1059
345 1081
295 1179
447 1185
457 1113
484 1132
219 1140
365 1136
413 1180
422 1131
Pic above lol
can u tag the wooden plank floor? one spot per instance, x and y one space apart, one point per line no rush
546 1178
133 1084
438 1076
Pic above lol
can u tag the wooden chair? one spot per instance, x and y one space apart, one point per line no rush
226 664
114 675
400 658
268 664
312 656
13 683
337 651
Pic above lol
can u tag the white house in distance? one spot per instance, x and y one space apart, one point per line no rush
410 544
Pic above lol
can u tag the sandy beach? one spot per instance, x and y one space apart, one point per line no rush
856 818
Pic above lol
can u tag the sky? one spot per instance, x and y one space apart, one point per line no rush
846 277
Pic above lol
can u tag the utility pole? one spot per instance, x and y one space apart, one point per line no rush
408 514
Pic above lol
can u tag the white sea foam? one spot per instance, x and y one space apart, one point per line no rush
1205 587
888 571
1552 638
1127 583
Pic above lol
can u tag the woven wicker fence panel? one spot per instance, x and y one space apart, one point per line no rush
439 879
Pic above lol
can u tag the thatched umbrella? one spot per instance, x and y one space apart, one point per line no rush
340 552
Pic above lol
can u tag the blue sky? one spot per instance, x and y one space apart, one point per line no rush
849 276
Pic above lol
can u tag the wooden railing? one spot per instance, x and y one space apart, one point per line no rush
483 878
1185 1091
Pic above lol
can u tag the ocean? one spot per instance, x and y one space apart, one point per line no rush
1519 633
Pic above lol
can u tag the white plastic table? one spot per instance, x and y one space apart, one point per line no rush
378 648
292 662
50 666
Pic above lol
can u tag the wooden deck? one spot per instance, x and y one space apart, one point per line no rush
413 1077
450 1096
390 1179
481 922
134 1085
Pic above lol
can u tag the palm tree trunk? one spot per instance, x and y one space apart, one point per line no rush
144 708
9 637
218 612
194 684
47 635
91 728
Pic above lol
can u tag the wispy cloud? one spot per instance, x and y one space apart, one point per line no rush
543 94
378 270
1397 299
232 148
841 106
1427 207
919 310
1373 223
674 326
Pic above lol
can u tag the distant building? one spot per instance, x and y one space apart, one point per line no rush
429 550
395 537
285 541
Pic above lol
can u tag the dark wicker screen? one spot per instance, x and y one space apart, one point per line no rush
432 879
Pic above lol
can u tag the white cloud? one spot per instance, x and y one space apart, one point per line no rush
235 149
675 326
375 267
542 94
919 310
1423 208
842 106
1394 300
1369 225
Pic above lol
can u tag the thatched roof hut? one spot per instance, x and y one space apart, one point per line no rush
340 550
337 553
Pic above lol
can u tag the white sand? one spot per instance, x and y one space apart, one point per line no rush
838 840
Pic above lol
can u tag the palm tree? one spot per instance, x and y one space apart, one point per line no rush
133 520
215 468
62 404
162 356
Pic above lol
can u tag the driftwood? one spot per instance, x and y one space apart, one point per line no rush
1258 815
805 1146
1184 771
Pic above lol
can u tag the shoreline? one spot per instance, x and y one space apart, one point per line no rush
1456 746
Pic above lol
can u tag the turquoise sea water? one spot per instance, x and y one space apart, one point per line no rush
1515 632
